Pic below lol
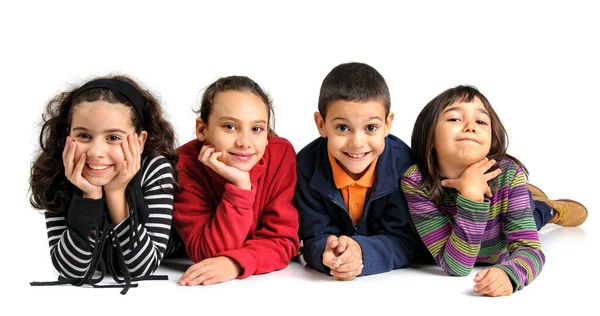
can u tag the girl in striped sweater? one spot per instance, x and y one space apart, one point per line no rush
105 178
469 199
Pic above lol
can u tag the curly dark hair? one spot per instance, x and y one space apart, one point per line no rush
50 189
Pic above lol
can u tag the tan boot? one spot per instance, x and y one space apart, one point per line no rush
566 212
536 193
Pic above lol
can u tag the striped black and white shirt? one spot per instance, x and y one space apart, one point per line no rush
71 239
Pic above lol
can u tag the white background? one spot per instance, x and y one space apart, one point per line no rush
537 62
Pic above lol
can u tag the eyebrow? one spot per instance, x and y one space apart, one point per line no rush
230 118
107 131
345 119
459 109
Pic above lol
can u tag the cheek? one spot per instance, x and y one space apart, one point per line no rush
116 154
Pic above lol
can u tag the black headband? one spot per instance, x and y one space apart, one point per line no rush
123 88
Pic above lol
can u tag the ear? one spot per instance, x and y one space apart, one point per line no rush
388 123
142 139
320 124
200 129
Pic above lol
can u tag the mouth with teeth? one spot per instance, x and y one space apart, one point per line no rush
356 156
97 169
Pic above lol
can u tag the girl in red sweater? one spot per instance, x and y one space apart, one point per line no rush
234 212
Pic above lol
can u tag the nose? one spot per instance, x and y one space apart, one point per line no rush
243 140
95 148
470 127
357 140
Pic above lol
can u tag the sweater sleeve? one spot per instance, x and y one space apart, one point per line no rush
275 241
454 246
206 226
71 239
526 258
151 237
316 224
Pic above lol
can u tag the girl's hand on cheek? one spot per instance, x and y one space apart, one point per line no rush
129 167
74 171
209 156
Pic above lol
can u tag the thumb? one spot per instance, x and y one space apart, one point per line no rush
449 183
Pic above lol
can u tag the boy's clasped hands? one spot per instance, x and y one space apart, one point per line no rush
343 256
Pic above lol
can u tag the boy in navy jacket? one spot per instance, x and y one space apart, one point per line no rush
354 219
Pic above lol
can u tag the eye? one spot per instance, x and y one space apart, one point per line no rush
371 128
481 122
257 129
83 136
454 119
113 138
342 128
230 127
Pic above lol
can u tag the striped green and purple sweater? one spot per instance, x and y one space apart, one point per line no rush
500 230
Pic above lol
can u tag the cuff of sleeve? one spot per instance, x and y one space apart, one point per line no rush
240 197
86 215
475 211
514 280
315 255
244 259
121 228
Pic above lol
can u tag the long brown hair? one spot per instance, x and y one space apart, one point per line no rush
50 189
422 141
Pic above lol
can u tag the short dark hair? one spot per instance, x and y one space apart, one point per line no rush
356 82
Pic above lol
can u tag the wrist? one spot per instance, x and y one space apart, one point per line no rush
93 195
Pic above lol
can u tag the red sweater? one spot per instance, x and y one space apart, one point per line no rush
258 228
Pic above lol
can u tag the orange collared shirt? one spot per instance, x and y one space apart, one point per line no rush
353 192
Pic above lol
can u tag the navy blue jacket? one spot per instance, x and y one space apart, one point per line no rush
386 234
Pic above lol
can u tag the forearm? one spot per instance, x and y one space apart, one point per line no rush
118 209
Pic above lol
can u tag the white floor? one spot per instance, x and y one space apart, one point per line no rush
566 285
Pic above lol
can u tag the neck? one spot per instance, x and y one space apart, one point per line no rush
450 171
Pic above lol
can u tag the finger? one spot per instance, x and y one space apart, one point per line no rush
70 161
346 276
342 244
481 274
78 171
214 280
492 174
205 275
480 163
205 152
348 256
497 292
349 266
486 285
488 164
332 241
191 271
488 192
125 146
449 183
67 147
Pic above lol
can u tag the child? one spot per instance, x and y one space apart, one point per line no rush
235 213
105 177
469 199
354 219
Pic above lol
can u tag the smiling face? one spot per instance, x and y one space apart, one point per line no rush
238 127
356 133
98 128
463 136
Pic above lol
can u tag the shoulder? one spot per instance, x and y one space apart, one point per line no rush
189 150
396 153
308 156
511 172
413 174
156 162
